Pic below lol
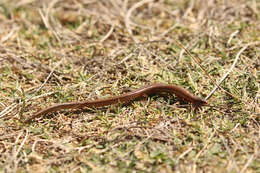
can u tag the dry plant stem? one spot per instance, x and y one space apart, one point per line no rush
49 76
226 75
14 105
128 15
108 34
198 62
46 18
125 98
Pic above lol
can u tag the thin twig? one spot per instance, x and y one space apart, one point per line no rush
14 105
108 34
248 162
197 60
8 109
48 77
128 15
226 75
232 36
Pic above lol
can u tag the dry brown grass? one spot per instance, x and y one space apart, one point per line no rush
65 50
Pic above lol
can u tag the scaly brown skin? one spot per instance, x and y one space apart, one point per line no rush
125 98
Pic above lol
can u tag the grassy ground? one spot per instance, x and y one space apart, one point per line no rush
63 50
